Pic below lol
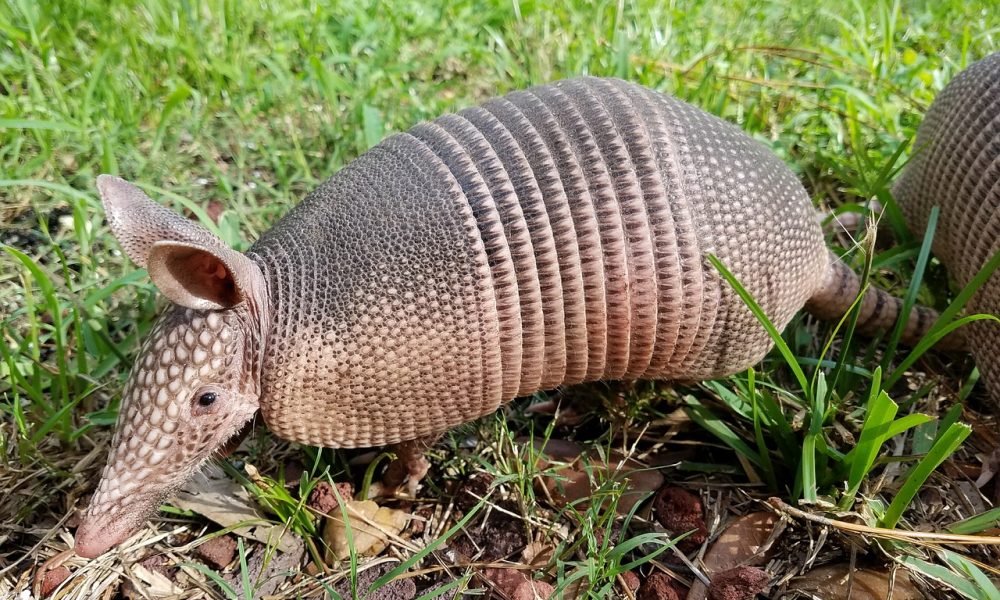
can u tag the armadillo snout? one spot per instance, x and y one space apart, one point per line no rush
188 394
109 523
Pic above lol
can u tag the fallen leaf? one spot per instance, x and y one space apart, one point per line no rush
154 583
537 554
267 570
532 590
571 483
504 581
221 500
371 528
830 582
991 466
739 544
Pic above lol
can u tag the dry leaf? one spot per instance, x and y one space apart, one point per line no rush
537 554
505 581
830 582
155 585
267 571
371 528
739 544
218 498
571 483
532 590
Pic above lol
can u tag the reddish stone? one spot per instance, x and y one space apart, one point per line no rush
658 586
323 499
631 580
738 583
218 552
680 511
52 579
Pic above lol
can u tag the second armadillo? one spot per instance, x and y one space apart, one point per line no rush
956 166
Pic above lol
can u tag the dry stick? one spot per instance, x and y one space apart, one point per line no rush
881 532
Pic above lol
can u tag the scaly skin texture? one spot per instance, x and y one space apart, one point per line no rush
956 166
556 235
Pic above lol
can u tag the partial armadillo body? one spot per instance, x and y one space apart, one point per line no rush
956 166
553 236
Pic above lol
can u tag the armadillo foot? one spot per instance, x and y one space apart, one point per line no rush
410 465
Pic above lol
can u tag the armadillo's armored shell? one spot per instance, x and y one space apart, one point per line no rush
956 166
555 235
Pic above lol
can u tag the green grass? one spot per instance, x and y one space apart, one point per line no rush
251 104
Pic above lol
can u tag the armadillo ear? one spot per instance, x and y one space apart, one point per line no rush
138 222
203 277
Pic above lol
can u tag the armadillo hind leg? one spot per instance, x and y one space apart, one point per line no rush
879 309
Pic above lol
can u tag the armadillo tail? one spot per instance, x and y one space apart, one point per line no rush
879 309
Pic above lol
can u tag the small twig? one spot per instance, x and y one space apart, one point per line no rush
881 532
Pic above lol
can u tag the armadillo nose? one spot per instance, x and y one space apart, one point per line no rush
94 538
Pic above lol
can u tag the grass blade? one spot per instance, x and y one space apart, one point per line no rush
762 317
949 441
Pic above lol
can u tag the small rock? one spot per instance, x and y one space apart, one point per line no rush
738 583
421 517
323 499
680 511
218 552
658 586
631 580
52 579
532 590
268 571
346 490
74 519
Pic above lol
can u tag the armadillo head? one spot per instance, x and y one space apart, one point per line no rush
196 382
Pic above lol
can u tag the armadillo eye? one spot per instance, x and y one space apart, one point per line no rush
206 399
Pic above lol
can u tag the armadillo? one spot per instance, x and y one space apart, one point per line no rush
956 167
552 236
